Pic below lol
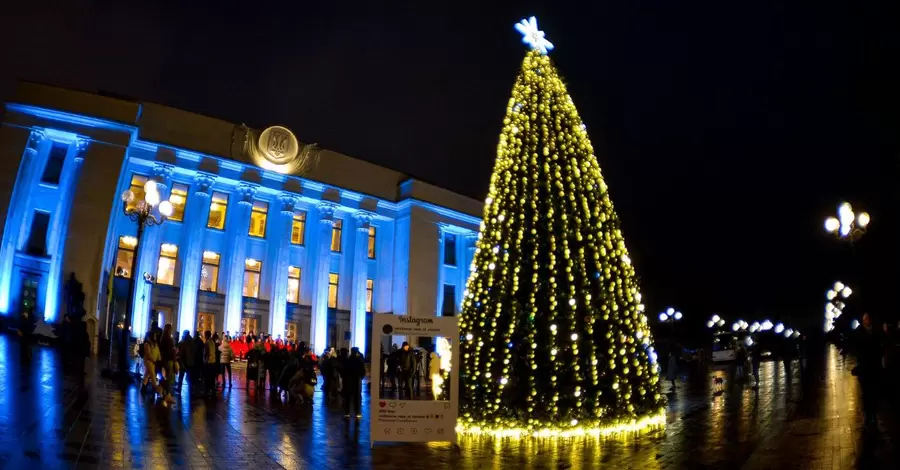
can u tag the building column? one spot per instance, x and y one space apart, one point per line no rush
149 246
15 216
471 240
280 251
318 325
442 232
236 241
60 227
358 331
196 216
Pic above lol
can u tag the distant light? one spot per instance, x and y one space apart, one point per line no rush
735 326
663 317
710 324
715 318
749 341
832 224
830 295
838 285
845 292
678 315
788 332
845 230
779 328
854 324
721 322
766 325
845 213
670 311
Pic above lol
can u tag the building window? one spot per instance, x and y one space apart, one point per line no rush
371 242
336 230
252 268
125 256
136 188
298 229
218 206
165 270
290 331
293 293
450 249
448 306
370 288
178 198
332 290
258 219
55 161
37 237
209 272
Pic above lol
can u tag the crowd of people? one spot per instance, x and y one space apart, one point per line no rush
280 366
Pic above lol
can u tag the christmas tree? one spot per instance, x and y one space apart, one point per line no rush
554 340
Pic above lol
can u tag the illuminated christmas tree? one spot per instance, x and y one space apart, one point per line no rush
554 340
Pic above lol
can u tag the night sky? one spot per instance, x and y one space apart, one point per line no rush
727 131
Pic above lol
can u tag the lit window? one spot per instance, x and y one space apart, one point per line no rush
448 308
298 230
252 269
165 270
290 331
125 256
450 249
370 287
178 198
371 242
209 272
332 290
218 206
293 293
55 161
258 219
336 235
137 188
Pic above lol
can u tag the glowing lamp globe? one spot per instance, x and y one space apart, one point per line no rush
152 197
832 224
779 328
127 196
678 315
710 324
715 318
663 316
165 208
150 187
670 311
845 213
838 286
845 292
863 219
854 324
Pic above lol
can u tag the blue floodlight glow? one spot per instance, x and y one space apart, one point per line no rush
532 36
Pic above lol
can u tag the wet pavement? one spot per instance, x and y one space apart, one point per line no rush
787 423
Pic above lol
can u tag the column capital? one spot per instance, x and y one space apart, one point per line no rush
34 140
246 192
162 172
472 237
287 201
204 182
326 210
363 219
81 144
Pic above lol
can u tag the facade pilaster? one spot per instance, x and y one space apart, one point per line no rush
318 325
358 331
279 249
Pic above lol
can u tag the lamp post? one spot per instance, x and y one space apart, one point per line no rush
147 211
670 316
848 225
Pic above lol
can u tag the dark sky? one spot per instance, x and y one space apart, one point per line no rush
727 130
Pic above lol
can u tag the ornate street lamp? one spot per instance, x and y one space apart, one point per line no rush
146 212
670 316
848 225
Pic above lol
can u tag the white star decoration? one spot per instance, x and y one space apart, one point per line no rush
532 36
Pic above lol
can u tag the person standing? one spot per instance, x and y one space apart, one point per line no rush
26 328
185 358
868 368
209 365
672 366
353 370
434 371
407 359
151 357
227 356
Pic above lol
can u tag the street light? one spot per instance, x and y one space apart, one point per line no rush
670 316
148 211
848 225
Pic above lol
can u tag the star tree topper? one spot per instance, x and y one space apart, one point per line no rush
532 36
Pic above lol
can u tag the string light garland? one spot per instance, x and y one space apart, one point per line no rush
554 339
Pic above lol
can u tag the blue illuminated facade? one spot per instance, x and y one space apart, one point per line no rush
252 246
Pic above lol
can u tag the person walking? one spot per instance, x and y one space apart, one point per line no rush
869 368
151 357
407 360
227 354
167 358
672 366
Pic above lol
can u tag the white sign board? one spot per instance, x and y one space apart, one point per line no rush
429 412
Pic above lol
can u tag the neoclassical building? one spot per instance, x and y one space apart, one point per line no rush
267 234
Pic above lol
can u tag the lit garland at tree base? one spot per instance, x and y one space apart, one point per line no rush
599 429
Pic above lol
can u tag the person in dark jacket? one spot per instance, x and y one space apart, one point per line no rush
26 328
186 358
353 370
407 363
868 368
198 357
